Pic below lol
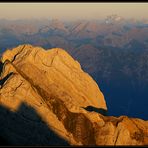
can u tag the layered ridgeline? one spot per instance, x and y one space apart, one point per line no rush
47 99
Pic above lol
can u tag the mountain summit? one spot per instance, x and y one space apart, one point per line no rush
47 99
56 72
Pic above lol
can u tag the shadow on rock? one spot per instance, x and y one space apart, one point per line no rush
98 110
25 127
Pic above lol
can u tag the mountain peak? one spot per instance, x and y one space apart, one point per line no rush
47 99
113 19
60 68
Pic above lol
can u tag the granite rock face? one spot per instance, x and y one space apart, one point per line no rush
56 72
43 99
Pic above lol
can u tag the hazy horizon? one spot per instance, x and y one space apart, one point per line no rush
72 11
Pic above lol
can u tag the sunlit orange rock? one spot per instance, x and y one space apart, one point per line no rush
43 99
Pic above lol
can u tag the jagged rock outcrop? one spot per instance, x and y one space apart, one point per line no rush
43 101
56 72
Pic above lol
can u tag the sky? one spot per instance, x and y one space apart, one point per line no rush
72 11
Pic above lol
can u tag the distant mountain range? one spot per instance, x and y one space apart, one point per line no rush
114 51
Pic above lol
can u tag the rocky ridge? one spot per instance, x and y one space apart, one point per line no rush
53 84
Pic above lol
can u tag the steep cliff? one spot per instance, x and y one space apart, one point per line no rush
44 100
